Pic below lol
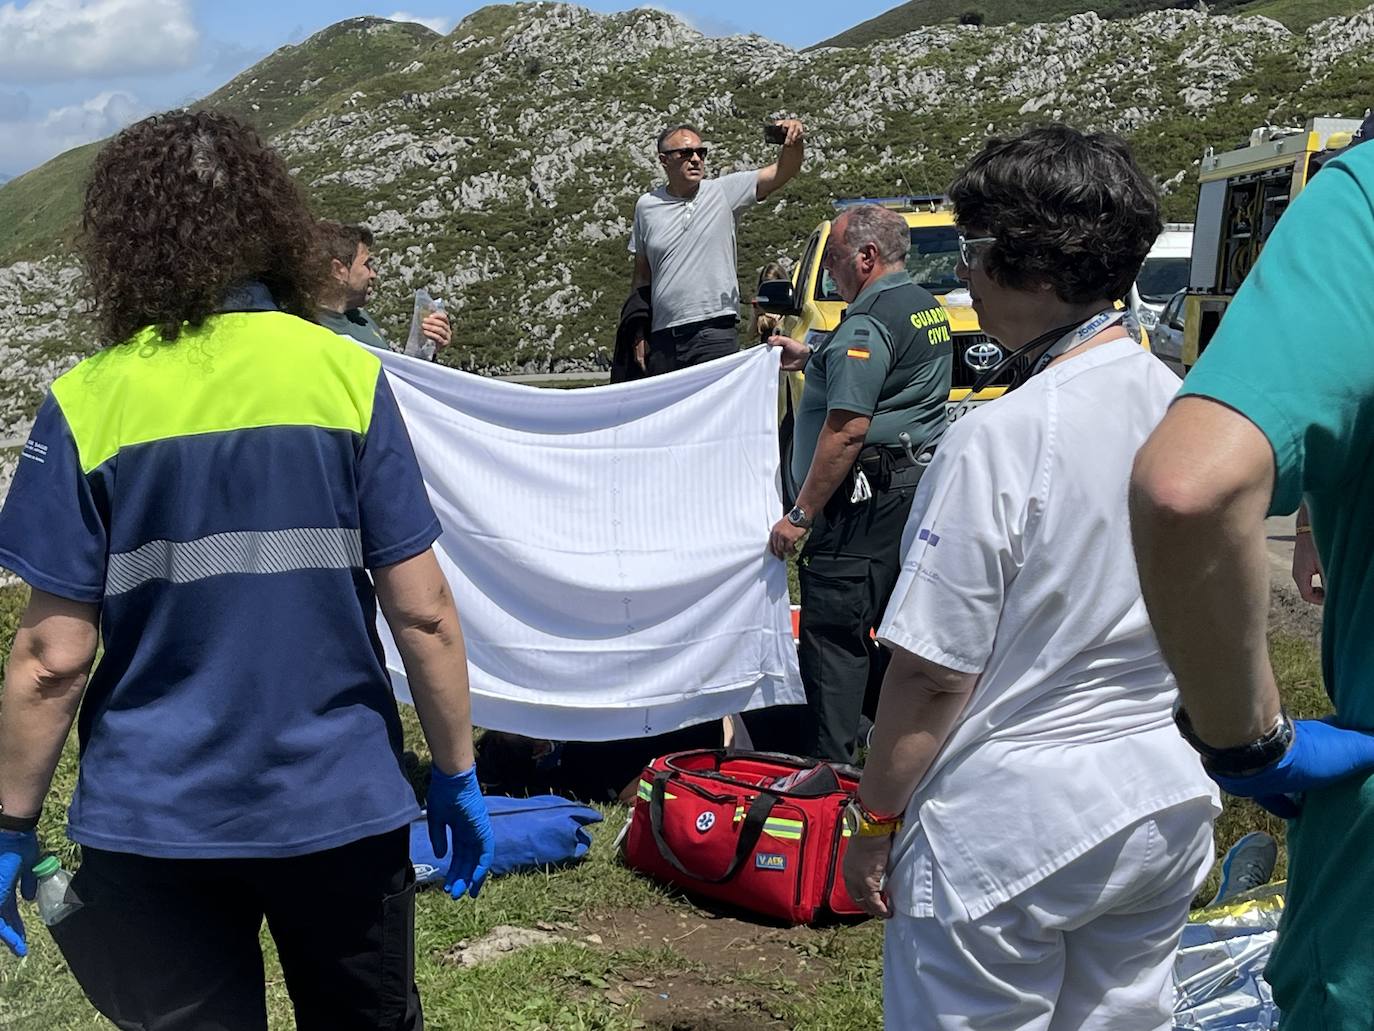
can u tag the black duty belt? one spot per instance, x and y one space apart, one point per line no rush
886 468
879 456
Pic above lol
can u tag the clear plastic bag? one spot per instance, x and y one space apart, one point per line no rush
417 344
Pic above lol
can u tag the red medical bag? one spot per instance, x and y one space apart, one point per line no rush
759 830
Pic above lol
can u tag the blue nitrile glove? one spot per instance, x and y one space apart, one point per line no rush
455 803
1321 755
18 853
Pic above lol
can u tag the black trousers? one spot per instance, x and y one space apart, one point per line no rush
848 568
691 344
172 944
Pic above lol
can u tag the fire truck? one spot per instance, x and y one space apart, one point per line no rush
1242 194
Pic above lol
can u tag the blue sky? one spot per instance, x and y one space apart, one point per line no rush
72 71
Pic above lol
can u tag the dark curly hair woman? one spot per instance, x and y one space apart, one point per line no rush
226 495
180 208
1033 824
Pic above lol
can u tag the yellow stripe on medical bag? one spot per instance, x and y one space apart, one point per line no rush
646 791
790 830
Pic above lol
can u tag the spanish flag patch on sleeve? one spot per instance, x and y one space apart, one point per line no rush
860 353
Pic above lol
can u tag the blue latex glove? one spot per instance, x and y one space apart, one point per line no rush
455 803
1321 755
18 853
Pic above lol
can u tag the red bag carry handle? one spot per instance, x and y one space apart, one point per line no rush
748 836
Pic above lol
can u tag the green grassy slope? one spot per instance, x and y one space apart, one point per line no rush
283 88
916 14
1299 14
500 165
40 209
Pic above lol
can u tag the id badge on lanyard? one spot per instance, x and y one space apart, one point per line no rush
1081 335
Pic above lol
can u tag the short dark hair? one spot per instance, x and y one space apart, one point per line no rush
340 240
182 206
1067 208
663 136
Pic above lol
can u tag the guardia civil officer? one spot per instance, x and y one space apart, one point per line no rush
224 495
884 373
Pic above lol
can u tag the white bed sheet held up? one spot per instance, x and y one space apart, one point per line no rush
608 546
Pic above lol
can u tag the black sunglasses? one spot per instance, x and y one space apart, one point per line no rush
683 153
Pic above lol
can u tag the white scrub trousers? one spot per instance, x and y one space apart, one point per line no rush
1091 946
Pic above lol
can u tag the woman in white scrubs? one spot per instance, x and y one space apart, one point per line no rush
1030 822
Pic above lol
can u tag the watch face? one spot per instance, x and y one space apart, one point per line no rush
851 819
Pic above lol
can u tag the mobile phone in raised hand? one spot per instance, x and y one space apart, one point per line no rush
774 132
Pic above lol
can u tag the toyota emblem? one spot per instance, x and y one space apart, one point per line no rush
982 357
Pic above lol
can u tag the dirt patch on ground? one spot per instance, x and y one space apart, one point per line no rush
719 984
1289 614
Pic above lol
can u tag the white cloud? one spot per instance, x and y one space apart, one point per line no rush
28 142
439 25
46 40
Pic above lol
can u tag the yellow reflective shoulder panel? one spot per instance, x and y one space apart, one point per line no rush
237 371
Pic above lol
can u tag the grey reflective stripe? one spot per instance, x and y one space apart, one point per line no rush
241 551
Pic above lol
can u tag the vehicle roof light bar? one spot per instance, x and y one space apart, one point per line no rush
908 202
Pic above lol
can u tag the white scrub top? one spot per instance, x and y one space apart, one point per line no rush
1018 566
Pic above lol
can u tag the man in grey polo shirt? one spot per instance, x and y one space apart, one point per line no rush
352 276
684 247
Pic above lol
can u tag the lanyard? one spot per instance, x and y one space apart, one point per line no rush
1077 337
1068 338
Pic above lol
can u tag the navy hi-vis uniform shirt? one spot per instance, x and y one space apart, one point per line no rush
221 498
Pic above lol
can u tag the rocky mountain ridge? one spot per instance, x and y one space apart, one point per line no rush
917 14
500 164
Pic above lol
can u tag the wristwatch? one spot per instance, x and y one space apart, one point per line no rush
1239 760
798 517
860 823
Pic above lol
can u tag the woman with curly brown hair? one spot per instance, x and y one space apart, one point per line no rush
224 495
1029 820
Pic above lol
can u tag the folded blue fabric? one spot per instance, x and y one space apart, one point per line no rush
530 833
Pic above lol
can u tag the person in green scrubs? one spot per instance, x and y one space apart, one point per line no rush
1278 411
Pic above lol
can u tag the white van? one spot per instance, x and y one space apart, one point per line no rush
1164 273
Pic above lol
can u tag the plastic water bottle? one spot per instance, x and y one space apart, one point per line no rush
54 901
438 306
417 344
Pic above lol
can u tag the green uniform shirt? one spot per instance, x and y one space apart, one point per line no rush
1295 356
889 358
355 323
